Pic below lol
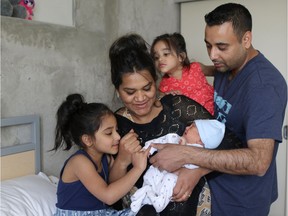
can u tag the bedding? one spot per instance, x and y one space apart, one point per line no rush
31 195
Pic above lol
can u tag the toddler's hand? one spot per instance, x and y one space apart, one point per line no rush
174 92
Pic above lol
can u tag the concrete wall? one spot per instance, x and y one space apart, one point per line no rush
54 11
42 63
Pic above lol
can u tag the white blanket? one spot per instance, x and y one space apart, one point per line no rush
158 185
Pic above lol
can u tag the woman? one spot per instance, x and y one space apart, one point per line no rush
145 117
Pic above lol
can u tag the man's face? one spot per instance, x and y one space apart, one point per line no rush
224 48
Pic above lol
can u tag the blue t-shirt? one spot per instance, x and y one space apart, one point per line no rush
252 105
74 195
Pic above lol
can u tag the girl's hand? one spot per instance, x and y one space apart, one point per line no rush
140 158
129 144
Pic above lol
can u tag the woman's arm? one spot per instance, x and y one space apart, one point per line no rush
186 182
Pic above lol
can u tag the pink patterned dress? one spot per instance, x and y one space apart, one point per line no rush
193 84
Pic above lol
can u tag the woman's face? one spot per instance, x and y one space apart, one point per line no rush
138 93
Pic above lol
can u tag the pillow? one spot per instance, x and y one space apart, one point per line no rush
31 195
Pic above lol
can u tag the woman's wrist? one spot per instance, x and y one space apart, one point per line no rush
204 171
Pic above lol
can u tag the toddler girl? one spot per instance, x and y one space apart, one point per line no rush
179 75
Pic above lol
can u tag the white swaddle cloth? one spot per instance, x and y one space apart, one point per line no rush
158 185
157 190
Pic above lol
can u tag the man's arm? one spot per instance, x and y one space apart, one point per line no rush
208 70
254 160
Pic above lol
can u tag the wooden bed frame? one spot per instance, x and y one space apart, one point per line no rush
22 158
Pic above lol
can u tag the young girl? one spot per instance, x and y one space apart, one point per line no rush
179 75
83 186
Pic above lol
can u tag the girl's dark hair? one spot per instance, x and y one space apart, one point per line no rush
237 14
76 118
129 56
175 42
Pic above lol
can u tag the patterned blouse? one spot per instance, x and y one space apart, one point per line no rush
193 84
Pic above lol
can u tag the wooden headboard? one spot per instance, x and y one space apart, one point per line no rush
20 157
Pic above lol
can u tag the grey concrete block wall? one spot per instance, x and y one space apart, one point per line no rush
149 18
42 63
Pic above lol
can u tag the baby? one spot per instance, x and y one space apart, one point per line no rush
158 185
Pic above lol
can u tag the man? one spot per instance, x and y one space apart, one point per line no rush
250 98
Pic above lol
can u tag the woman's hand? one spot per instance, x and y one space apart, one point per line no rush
187 180
129 144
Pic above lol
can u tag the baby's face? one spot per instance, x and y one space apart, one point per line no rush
191 134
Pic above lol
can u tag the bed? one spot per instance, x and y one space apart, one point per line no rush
25 190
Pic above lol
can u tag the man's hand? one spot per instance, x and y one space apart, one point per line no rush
169 157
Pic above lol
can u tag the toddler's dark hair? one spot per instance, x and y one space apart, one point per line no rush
176 43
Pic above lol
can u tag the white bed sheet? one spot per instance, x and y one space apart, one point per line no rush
31 195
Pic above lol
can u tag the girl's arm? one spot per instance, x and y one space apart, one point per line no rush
109 194
129 144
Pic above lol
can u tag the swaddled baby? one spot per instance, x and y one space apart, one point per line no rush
158 185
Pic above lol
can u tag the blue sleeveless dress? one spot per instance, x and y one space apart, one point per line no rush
74 199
